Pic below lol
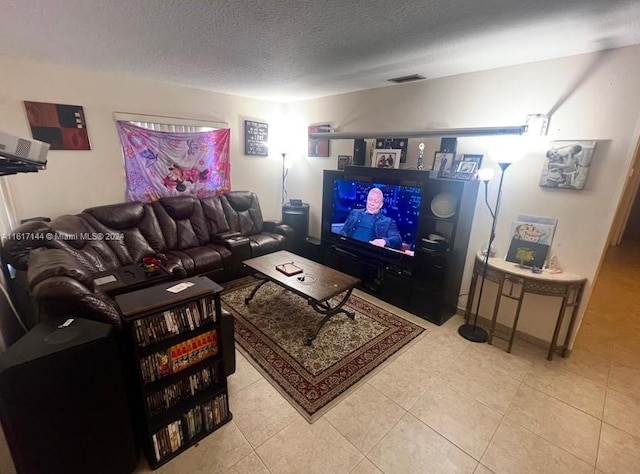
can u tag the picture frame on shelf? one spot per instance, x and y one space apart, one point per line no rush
464 170
394 144
460 168
344 161
386 158
442 162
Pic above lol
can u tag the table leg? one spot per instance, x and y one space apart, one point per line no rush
328 311
515 319
556 331
496 307
572 322
263 280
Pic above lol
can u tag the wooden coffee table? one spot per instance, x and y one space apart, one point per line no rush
317 284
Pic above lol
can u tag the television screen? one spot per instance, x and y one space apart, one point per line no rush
380 214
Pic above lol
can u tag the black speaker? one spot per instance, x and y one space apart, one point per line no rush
310 248
359 152
297 217
62 401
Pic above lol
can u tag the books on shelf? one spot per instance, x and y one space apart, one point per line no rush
187 317
201 418
169 396
179 356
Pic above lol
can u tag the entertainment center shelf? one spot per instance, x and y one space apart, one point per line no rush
424 276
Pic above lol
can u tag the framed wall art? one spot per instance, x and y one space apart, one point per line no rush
256 138
62 126
386 158
567 164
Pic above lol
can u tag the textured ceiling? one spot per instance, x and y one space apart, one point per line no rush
290 50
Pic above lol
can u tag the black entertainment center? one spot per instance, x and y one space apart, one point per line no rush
433 217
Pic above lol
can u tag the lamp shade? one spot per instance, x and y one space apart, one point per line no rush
506 149
485 174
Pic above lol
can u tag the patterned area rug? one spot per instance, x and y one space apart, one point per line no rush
271 331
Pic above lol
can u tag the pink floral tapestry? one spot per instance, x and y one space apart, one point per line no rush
159 164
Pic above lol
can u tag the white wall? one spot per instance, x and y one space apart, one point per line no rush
601 102
75 180
596 97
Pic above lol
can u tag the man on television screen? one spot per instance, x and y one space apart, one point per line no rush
369 225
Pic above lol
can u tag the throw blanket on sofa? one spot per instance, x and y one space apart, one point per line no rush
159 164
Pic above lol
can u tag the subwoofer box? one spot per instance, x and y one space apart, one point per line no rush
62 401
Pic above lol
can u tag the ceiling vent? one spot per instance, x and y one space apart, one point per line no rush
403 79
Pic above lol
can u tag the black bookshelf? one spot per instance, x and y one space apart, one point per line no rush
176 363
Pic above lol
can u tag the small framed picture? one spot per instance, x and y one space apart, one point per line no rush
464 170
477 159
386 158
466 167
442 162
344 161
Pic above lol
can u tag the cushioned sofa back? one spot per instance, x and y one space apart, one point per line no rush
77 237
135 221
182 222
214 215
242 210
67 232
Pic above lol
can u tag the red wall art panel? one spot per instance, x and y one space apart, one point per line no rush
62 126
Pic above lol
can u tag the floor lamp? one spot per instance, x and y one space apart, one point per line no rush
473 332
285 172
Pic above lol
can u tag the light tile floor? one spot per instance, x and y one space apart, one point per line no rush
446 405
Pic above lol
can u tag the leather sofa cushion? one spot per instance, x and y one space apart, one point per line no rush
264 243
242 210
119 216
203 259
214 215
48 263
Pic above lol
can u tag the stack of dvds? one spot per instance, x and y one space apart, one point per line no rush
179 356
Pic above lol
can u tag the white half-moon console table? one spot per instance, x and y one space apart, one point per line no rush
515 282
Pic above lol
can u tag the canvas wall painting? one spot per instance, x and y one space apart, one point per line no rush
567 164
62 126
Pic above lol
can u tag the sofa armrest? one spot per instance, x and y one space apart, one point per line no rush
65 296
172 265
277 227
22 240
224 236
238 245
50 263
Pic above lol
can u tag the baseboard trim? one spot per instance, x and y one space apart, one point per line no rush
523 336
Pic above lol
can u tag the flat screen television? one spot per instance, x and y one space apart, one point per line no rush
376 214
